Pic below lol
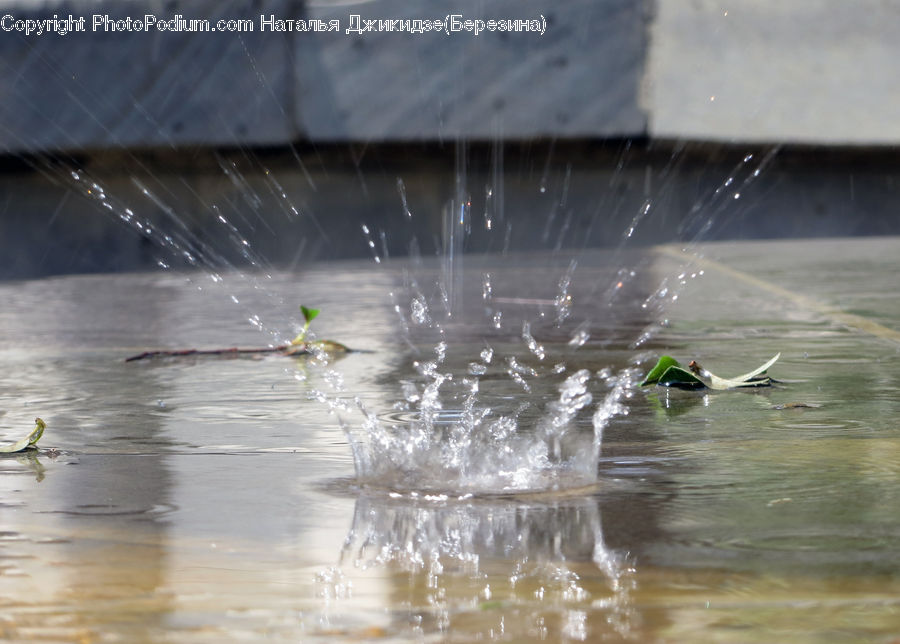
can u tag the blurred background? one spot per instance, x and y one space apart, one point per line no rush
124 146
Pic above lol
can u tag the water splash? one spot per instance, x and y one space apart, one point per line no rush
450 546
458 428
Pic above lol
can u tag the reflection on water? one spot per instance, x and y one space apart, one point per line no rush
215 500
476 568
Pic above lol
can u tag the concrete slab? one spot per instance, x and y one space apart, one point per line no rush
800 71
580 78
150 88
271 84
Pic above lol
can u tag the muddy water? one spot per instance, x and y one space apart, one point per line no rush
213 500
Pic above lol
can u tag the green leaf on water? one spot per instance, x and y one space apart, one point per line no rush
29 441
661 366
676 376
668 373
309 314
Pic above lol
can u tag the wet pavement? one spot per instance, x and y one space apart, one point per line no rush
198 499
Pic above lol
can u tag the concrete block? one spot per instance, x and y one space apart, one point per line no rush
105 89
580 78
809 71
101 89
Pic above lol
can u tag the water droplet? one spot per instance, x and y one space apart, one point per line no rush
486 290
419 310
532 344
410 392
581 334
477 369
401 188
520 381
334 379
517 367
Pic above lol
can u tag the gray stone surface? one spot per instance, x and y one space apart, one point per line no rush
581 78
807 71
815 71
97 90
143 89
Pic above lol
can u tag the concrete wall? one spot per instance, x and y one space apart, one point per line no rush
580 78
809 71
98 89
95 89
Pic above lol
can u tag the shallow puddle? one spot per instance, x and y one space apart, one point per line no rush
208 499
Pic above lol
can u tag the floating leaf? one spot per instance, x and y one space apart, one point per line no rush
29 441
676 376
759 370
330 346
664 363
668 373
302 348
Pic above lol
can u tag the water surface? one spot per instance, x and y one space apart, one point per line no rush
206 499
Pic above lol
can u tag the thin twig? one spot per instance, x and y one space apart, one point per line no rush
216 352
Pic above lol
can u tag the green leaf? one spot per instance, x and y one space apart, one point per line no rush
668 373
309 314
664 363
676 376
29 441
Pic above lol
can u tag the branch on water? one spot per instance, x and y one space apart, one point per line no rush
300 349
297 347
